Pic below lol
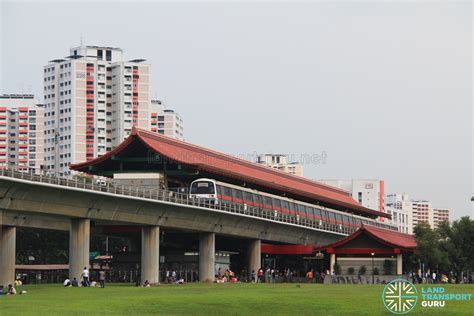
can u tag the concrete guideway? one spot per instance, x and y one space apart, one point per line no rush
28 203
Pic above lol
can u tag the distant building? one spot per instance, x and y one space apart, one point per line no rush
92 98
417 211
422 212
401 209
439 216
165 121
368 192
280 162
21 132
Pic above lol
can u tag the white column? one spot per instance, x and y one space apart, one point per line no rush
207 257
399 264
332 262
7 255
150 265
79 241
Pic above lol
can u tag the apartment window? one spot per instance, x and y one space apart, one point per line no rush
360 197
108 55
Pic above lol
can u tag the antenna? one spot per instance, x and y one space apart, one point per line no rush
82 40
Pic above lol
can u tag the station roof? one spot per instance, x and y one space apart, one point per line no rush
364 241
211 162
385 237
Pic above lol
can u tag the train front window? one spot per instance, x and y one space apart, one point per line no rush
203 187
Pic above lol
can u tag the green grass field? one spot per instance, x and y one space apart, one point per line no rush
213 299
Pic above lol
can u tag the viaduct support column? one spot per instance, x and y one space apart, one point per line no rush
7 255
150 267
79 241
207 257
399 264
255 256
332 262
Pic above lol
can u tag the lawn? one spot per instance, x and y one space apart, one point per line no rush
217 299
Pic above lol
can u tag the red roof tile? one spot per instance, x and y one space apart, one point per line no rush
222 164
388 237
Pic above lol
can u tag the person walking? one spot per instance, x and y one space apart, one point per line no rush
85 277
102 278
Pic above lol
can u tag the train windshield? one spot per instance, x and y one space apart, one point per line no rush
203 187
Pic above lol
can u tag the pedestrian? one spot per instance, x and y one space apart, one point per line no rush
359 277
254 277
85 277
309 276
260 275
102 278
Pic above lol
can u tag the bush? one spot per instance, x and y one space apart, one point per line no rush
387 266
350 271
337 269
362 270
376 271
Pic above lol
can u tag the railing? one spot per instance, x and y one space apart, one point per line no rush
178 198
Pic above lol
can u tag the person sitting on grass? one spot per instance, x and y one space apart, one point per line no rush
75 283
67 282
146 284
11 290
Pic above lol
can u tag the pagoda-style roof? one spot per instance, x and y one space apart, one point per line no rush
142 144
369 239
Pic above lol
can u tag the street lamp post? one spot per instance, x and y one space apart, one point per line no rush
373 254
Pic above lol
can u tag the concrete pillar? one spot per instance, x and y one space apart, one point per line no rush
399 264
207 257
332 262
79 241
255 256
7 255
150 266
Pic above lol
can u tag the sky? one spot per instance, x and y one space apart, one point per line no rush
381 90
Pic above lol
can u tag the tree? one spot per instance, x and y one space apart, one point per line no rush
457 244
362 270
428 250
350 270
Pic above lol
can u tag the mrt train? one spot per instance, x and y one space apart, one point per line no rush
218 192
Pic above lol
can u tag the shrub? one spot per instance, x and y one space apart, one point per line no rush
362 270
376 271
387 266
350 271
337 268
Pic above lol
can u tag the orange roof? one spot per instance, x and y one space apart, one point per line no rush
214 162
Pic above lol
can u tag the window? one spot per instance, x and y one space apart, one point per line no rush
100 54
108 55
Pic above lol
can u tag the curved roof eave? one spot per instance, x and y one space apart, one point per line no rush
215 162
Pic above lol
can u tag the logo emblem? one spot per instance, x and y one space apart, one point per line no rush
400 296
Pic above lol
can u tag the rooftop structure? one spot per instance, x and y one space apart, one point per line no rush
148 151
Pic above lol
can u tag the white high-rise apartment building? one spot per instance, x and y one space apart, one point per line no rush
417 211
422 212
21 133
92 99
165 121
280 162
440 215
401 209
368 192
